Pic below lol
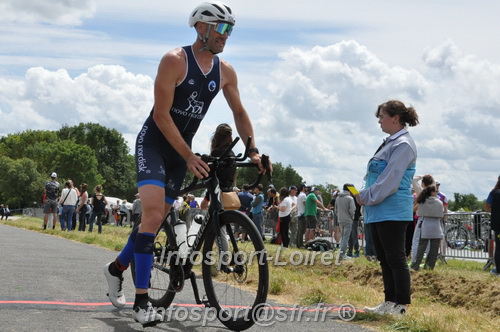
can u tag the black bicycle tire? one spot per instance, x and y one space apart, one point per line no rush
167 298
452 237
485 230
248 320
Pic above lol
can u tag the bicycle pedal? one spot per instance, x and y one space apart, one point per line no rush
205 301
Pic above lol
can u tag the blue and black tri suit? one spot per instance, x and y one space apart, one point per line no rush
159 164
157 161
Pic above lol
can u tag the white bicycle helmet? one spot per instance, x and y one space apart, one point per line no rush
213 11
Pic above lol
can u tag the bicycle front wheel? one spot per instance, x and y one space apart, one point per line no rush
456 238
161 292
237 280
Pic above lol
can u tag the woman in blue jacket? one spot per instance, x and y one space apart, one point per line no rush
388 202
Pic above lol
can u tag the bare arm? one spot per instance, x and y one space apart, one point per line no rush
241 118
416 185
320 205
487 207
83 201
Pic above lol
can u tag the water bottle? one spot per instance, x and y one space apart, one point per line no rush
194 228
180 236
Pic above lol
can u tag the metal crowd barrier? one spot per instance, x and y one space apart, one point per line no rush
329 228
33 212
467 235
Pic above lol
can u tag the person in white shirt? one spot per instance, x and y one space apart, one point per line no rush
69 197
301 209
285 208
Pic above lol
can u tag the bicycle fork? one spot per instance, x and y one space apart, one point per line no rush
226 258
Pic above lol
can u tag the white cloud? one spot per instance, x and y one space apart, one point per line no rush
47 99
58 12
310 76
322 104
316 113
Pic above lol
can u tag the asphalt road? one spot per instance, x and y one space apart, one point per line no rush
53 284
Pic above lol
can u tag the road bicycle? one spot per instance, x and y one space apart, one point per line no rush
235 274
461 234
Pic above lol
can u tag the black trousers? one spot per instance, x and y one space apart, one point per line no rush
410 230
353 239
497 251
284 229
389 239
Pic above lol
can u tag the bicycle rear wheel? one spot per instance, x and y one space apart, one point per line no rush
161 293
238 295
456 237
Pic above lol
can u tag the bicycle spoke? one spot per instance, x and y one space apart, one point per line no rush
236 292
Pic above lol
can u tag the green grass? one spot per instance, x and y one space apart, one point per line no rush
112 237
458 296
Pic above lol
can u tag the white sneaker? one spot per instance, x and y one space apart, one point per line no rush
115 291
382 308
398 310
147 316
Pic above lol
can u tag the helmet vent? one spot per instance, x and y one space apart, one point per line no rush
216 6
207 13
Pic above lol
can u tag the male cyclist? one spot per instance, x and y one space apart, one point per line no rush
188 79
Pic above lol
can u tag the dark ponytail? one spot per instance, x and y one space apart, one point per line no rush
426 193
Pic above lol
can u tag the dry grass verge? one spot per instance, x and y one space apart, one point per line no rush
458 296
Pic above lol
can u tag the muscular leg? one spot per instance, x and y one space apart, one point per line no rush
154 210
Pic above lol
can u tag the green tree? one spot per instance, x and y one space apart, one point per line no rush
21 184
87 153
115 164
282 176
326 192
69 159
14 145
465 202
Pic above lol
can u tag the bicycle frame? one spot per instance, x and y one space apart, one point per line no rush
211 183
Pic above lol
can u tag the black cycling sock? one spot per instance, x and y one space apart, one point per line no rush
141 300
116 268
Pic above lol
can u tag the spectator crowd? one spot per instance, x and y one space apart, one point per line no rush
74 206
